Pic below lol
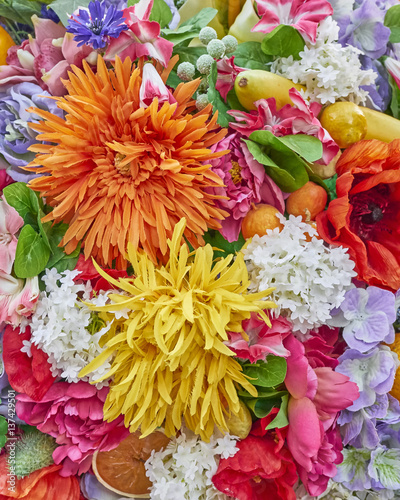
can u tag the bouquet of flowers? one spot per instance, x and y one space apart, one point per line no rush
199 249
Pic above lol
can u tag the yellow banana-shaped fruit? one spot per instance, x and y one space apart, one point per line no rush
255 84
348 123
244 22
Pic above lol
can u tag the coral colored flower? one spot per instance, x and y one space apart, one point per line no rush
304 15
263 339
10 223
301 118
27 374
73 415
45 59
262 468
43 484
245 183
120 172
17 298
142 38
365 217
227 73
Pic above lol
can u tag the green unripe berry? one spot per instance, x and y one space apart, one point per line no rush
186 71
203 87
202 101
231 44
204 64
33 452
207 34
216 49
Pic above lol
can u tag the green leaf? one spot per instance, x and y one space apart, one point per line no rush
215 239
281 419
281 163
392 21
190 54
261 407
31 255
59 259
64 8
395 101
249 55
3 426
268 373
19 10
202 18
216 100
161 13
23 199
191 28
283 41
331 186
263 393
306 146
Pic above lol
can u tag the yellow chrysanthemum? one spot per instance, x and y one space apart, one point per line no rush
169 357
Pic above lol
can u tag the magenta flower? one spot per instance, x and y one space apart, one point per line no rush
263 340
304 15
245 183
10 223
45 59
142 37
301 118
227 73
73 415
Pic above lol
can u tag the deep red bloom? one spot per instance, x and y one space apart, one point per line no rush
262 468
365 217
90 273
31 376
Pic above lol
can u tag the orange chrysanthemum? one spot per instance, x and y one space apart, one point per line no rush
119 172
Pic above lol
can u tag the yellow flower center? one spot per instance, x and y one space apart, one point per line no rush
124 169
235 172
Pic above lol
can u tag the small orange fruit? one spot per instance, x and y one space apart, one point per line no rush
122 469
5 43
308 201
260 218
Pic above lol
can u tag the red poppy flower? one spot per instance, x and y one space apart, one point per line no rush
29 375
262 468
365 217
89 273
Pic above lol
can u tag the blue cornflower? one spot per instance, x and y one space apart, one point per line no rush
94 25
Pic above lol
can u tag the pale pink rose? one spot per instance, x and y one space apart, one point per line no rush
73 415
142 38
227 73
152 87
17 298
304 15
10 223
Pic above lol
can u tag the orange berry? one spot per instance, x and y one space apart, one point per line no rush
260 218
308 201
5 43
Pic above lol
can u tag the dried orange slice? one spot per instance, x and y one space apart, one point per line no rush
122 469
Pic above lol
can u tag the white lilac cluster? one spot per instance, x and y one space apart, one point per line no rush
329 71
184 469
65 328
310 278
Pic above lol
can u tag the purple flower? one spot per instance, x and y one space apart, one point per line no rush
379 94
94 26
367 316
373 372
48 13
365 30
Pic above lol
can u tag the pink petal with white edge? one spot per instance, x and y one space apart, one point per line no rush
152 86
393 67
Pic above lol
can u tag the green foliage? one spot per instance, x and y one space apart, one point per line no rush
250 55
64 8
32 253
330 184
283 41
191 28
392 21
268 373
216 100
281 419
161 13
33 452
3 431
19 11
222 247
395 101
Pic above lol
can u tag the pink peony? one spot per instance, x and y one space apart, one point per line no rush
263 340
317 397
17 298
142 38
10 223
245 183
304 15
301 118
73 415
227 73
45 59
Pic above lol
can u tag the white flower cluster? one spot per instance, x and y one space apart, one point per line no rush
184 469
60 324
329 71
310 278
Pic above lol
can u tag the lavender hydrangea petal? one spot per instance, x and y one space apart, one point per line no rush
352 472
384 467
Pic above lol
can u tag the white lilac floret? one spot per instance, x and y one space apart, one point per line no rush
204 63
216 49
65 329
231 44
207 34
184 469
186 71
202 101
310 278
